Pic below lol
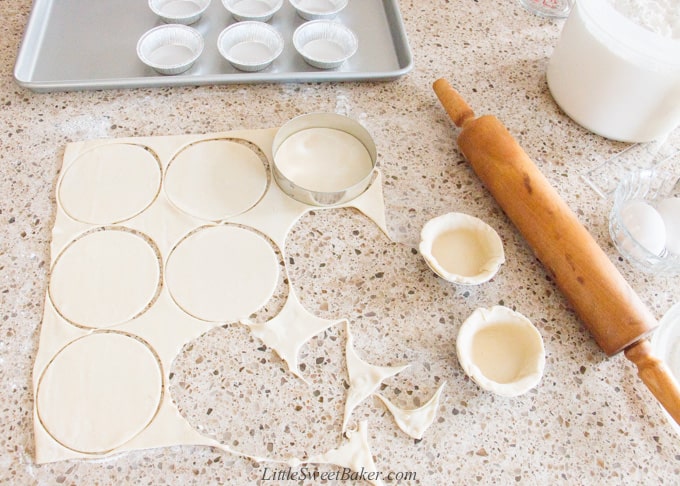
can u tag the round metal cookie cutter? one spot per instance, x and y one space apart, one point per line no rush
317 157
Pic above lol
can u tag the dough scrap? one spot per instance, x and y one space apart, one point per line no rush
415 421
364 378
288 331
354 454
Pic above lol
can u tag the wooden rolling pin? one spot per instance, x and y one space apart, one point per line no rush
597 291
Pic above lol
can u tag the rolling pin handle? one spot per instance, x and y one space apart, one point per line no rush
454 104
656 376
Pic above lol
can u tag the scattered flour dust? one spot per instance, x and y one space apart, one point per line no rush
659 16
343 106
85 126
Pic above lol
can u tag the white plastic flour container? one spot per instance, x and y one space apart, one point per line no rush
613 76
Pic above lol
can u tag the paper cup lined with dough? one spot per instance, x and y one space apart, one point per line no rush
461 248
501 350
323 159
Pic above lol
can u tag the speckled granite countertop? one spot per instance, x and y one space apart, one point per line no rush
590 421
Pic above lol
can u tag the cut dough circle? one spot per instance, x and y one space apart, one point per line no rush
324 159
99 392
215 179
222 273
104 278
110 183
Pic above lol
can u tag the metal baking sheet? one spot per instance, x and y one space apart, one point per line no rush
91 44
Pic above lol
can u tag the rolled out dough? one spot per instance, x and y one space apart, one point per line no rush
99 392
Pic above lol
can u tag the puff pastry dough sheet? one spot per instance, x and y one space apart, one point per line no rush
156 242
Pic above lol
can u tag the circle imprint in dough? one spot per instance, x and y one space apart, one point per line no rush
215 179
104 278
323 159
222 273
110 183
99 392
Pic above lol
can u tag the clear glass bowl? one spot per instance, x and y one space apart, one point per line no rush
650 186
548 8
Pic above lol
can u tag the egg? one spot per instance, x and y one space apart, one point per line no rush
669 209
645 225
